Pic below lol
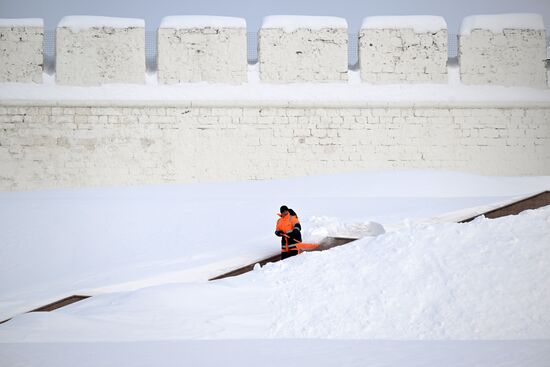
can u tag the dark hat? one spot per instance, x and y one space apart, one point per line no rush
284 208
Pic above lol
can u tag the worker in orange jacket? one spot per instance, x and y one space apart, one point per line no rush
289 229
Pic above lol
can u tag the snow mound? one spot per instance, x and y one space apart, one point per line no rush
498 22
79 23
290 23
419 23
483 280
201 21
21 22
321 227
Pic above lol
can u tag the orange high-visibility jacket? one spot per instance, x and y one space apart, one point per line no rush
290 225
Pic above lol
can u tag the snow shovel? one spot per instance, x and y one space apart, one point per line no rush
303 246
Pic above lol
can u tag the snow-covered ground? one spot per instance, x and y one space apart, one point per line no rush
427 290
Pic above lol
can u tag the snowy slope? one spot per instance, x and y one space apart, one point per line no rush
93 241
483 280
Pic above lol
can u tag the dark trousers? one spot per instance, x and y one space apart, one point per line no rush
288 254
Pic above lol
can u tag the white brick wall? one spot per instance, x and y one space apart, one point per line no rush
84 144
514 57
100 55
303 55
389 56
209 54
21 54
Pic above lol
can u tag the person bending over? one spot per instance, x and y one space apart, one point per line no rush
289 229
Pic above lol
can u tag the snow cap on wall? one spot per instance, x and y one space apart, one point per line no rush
419 23
78 23
21 22
290 23
498 22
201 21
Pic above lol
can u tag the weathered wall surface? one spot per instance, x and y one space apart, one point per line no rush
514 57
100 55
389 56
107 52
215 55
304 55
21 53
87 144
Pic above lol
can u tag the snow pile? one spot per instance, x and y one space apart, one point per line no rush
21 22
201 21
77 23
483 280
497 23
420 23
290 23
321 227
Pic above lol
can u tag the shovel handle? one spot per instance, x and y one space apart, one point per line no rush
301 245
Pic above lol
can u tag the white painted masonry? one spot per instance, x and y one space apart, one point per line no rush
21 50
202 49
54 135
100 50
304 49
503 50
396 50
73 144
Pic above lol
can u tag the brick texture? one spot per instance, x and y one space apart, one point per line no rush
52 146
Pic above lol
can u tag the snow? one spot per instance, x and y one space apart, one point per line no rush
198 21
78 23
419 23
352 92
291 23
21 22
104 237
498 22
417 283
483 280
266 353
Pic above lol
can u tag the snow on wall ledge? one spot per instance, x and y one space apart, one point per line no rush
74 144
21 50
